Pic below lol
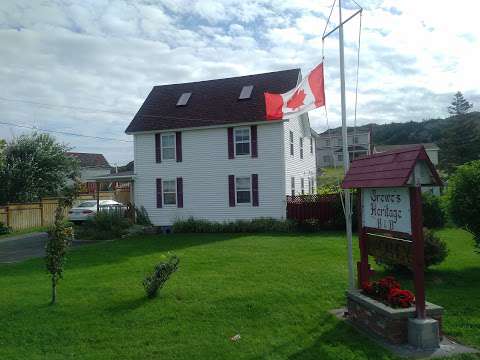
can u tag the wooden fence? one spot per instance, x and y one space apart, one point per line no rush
27 216
323 208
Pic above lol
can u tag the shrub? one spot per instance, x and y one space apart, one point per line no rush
433 213
157 279
260 225
103 226
464 198
4 229
142 217
435 252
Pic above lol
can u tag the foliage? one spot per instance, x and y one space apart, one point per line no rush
104 226
260 225
34 166
433 213
328 189
330 177
435 251
4 229
459 105
388 291
142 217
464 198
59 237
157 279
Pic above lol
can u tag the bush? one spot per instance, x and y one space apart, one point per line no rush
103 226
464 198
433 213
4 229
157 279
260 225
435 252
142 217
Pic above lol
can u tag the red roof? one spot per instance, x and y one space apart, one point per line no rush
388 169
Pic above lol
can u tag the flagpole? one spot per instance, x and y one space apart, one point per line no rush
346 159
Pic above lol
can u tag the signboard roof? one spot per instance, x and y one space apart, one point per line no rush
391 169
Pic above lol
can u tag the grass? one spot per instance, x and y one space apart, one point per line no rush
330 176
25 231
273 290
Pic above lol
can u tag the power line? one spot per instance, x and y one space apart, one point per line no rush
79 108
62 132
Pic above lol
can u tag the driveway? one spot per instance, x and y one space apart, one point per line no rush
18 248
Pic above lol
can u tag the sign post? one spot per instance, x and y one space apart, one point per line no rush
391 225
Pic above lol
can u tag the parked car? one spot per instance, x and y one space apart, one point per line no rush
88 209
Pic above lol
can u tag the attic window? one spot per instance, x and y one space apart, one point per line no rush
182 101
246 92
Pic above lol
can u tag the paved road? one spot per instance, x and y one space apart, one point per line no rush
18 248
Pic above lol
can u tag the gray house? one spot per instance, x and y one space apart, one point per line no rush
329 146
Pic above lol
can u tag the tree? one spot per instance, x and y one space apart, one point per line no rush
34 166
59 238
464 198
459 105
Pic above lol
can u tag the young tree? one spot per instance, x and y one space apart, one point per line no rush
459 105
464 198
34 166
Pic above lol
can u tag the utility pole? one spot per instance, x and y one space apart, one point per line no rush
346 158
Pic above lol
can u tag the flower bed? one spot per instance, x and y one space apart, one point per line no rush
389 292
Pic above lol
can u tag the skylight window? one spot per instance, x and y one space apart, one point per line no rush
246 92
182 101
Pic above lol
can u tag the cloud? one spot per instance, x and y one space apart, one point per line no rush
107 55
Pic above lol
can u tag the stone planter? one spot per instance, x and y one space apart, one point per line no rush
383 321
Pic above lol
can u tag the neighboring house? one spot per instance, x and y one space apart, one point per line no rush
432 152
205 150
329 145
91 166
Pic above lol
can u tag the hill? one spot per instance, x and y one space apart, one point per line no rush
457 136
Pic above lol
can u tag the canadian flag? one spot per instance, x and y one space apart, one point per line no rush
308 95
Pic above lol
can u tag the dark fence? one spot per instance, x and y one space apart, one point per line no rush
323 208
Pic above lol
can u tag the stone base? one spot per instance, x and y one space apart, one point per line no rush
383 321
423 333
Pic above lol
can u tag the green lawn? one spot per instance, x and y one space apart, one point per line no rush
273 290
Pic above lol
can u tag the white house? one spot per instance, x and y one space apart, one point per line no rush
205 150
91 166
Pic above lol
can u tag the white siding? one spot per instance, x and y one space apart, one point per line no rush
294 166
205 169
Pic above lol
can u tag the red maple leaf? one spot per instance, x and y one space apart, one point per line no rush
296 100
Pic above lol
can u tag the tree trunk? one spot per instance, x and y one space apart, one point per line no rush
54 289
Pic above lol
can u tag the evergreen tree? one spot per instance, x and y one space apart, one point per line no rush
459 105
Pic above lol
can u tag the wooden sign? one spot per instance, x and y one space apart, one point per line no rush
387 209
398 251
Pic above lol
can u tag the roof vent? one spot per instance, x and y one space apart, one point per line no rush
246 92
183 99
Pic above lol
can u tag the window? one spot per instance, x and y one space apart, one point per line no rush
242 141
168 146
310 185
183 99
302 185
311 145
169 192
291 143
243 189
292 185
301 148
340 157
246 92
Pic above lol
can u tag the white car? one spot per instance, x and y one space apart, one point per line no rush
88 209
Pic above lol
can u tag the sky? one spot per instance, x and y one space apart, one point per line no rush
85 67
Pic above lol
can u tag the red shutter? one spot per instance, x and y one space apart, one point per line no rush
178 143
231 190
179 192
253 134
159 193
158 148
230 143
255 189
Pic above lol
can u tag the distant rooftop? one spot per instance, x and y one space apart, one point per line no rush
383 148
90 159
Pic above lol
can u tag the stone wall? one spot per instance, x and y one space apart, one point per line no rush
384 321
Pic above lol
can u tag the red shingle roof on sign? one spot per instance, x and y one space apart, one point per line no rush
388 169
